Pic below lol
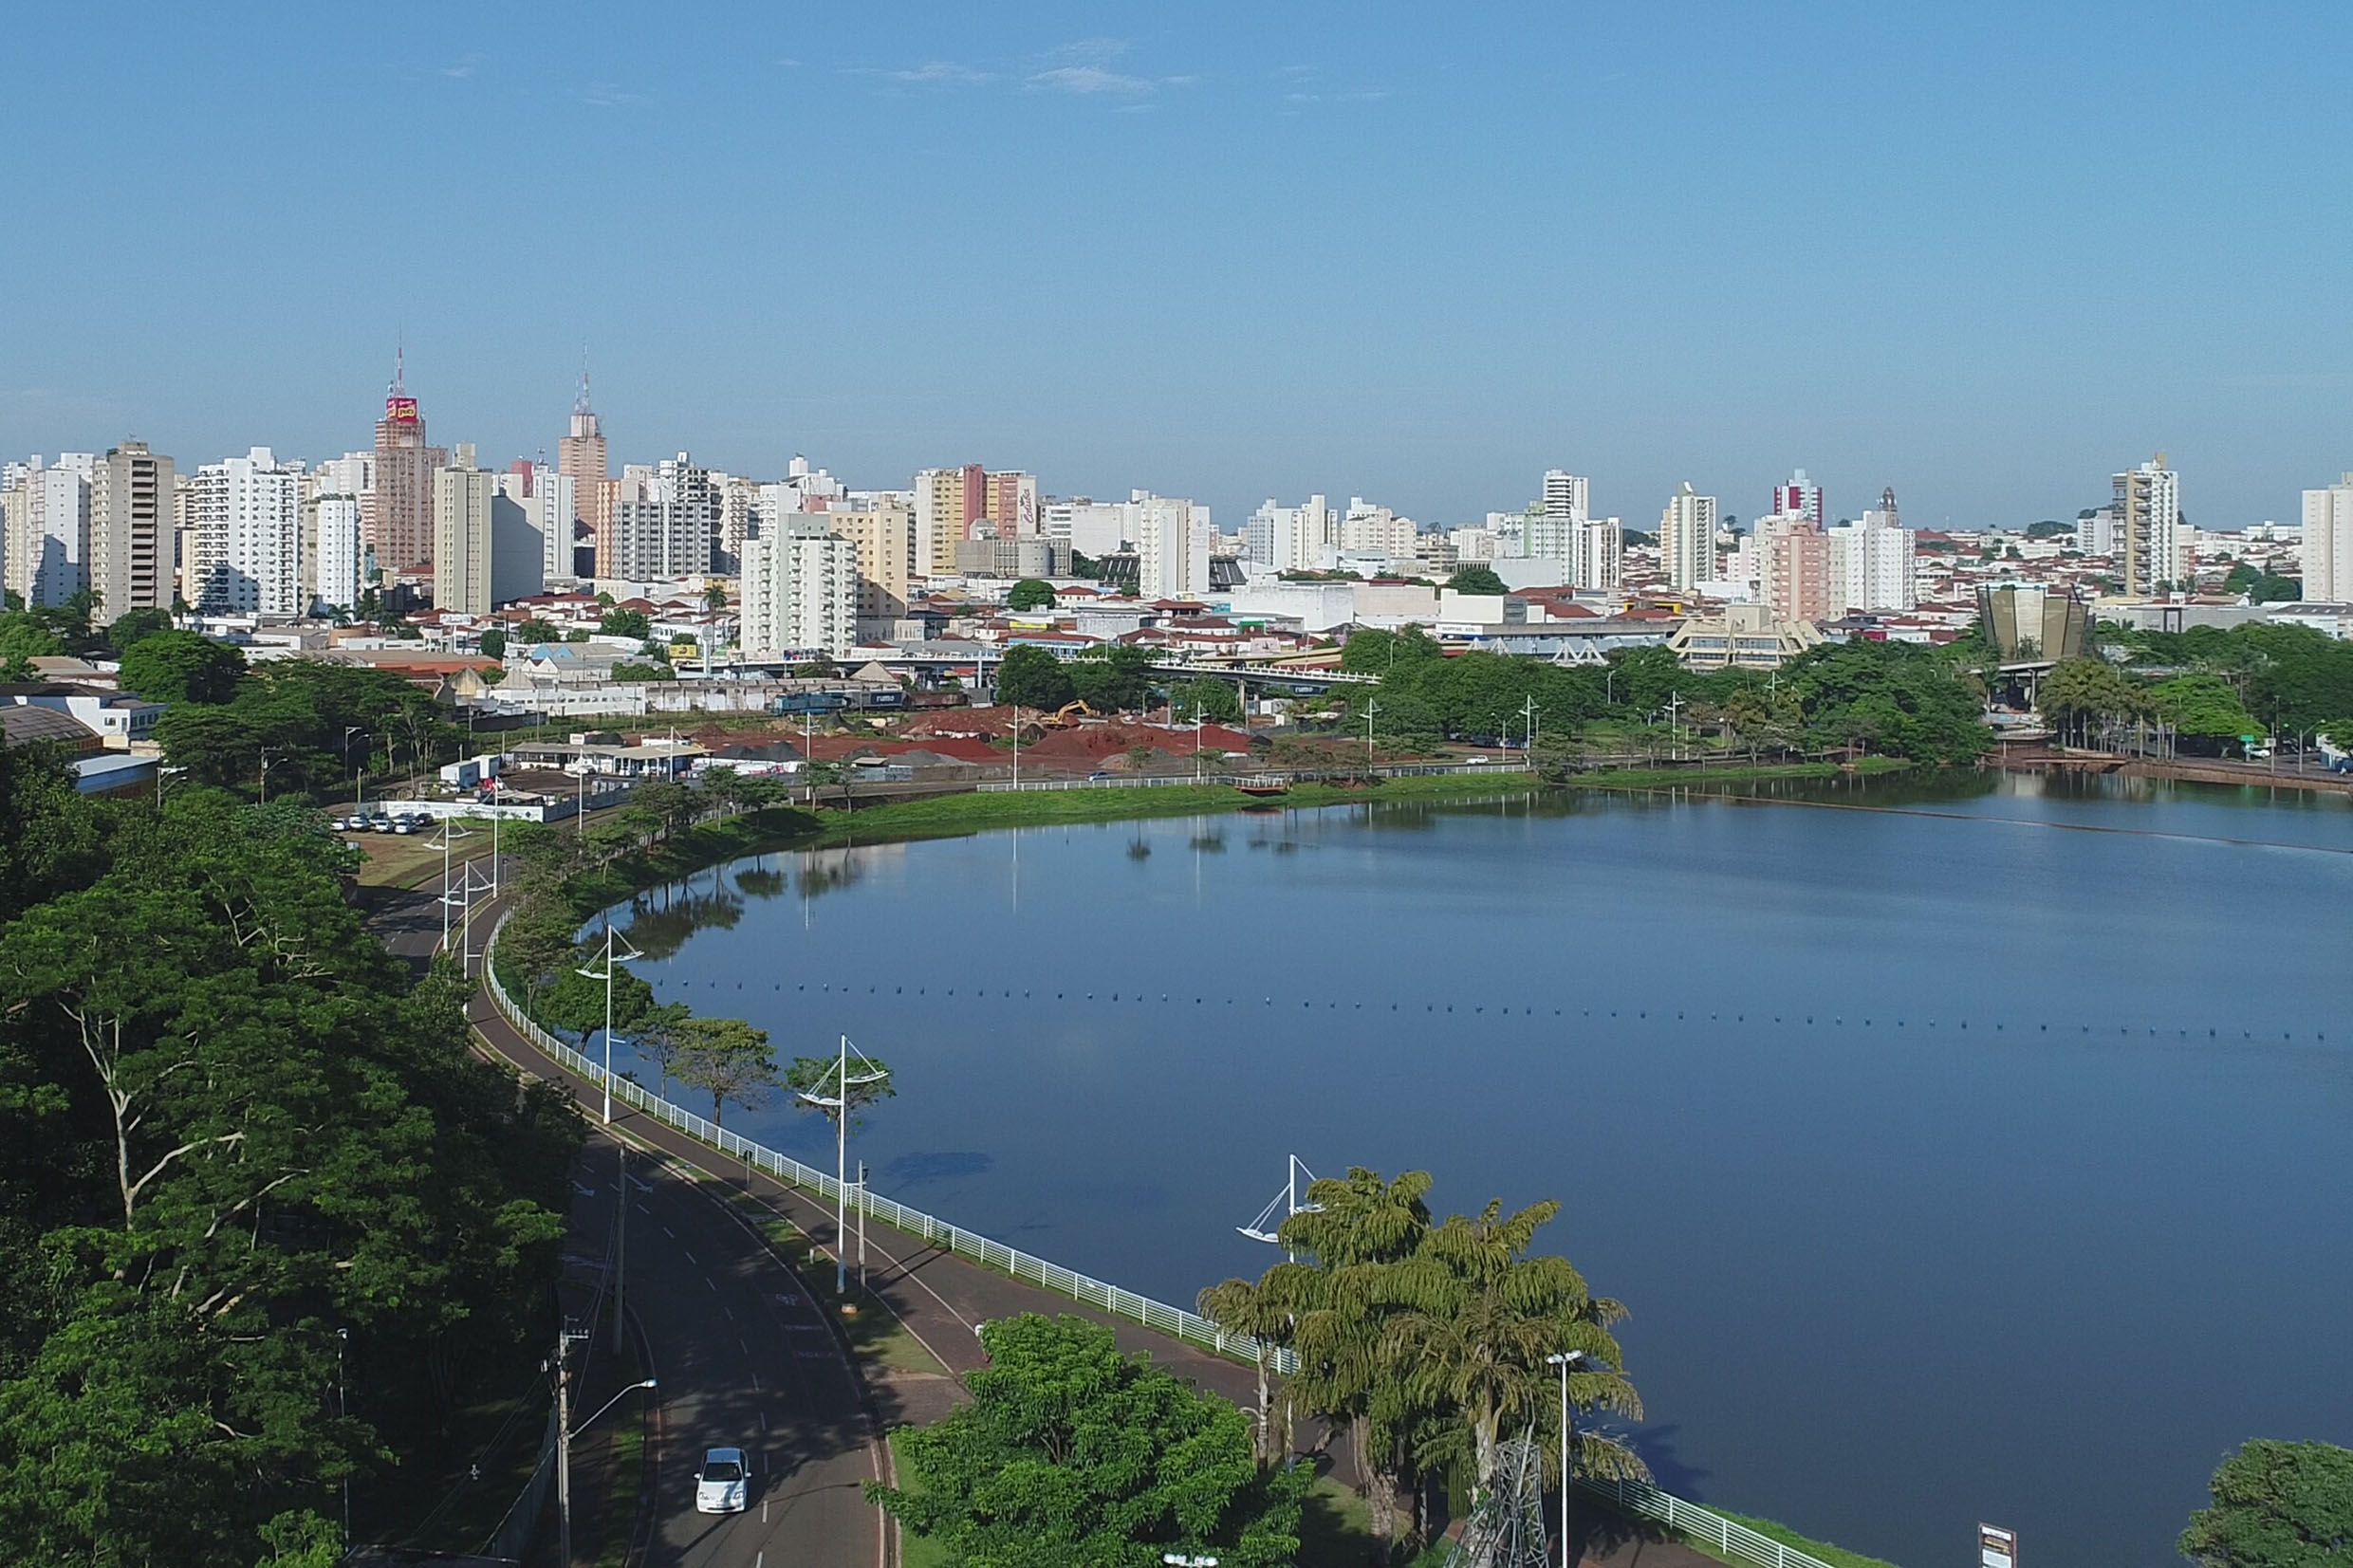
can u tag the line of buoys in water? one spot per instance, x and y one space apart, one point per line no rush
1810 1020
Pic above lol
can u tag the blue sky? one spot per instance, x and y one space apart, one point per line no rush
1986 253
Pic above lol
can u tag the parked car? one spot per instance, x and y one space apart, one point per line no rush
380 823
722 1486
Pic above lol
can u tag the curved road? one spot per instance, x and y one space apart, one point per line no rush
743 1358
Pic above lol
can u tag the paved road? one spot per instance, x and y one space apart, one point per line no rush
743 1361
743 1358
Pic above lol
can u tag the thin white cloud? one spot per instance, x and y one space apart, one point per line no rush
463 69
1089 51
603 94
941 73
1090 79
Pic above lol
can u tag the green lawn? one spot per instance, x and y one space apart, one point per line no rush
1838 1557
914 1551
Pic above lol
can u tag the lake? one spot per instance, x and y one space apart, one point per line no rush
1978 1155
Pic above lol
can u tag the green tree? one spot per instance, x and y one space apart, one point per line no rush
1216 700
2277 1505
1071 1455
493 644
1031 593
1031 678
2080 691
182 667
1481 1316
726 1058
1112 677
1247 1307
2205 709
130 627
633 624
25 636
1476 578
534 632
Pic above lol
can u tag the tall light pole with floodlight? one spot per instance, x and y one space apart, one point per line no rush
611 936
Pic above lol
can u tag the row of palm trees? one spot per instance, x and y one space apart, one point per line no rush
1425 1343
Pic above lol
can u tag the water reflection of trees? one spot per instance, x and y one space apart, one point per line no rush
830 870
662 919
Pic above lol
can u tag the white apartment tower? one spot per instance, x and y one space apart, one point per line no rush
1687 538
1290 539
2329 543
1871 562
249 536
800 590
2149 536
1173 539
47 547
335 520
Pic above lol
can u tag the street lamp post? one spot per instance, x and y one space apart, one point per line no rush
450 832
1371 707
165 771
350 731
838 1103
1565 1359
611 936
1198 712
266 761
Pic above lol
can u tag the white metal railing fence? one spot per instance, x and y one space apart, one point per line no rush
1189 1326
1132 781
1705 1525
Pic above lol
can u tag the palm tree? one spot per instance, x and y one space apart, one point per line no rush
1240 1307
1354 1228
1476 1318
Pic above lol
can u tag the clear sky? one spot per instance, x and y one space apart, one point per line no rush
1986 253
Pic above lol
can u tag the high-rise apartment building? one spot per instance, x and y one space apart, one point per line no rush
694 490
399 512
1793 567
1010 501
1289 538
800 590
2329 543
653 539
2147 501
131 561
1800 497
248 513
1174 541
336 552
1089 526
1549 532
555 506
1871 561
1370 530
884 535
1687 538
47 545
582 458
462 539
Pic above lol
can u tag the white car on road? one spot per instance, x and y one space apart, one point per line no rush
724 1485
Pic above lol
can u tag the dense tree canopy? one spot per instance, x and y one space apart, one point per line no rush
1072 1455
1031 678
1476 578
177 666
1031 593
2277 1505
228 1130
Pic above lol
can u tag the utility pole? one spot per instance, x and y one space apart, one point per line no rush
1674 730
838 1104
1527 716
564 1453
862 1228
1371 707
1197 740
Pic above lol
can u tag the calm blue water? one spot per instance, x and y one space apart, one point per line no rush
1906 1247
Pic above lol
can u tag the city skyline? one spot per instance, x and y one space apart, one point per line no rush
1242 256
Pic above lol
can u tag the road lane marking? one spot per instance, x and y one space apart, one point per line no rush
755 1377
763 1504
672 1234
691 1258
712 1284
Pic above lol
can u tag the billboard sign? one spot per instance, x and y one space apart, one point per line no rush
1996 1547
